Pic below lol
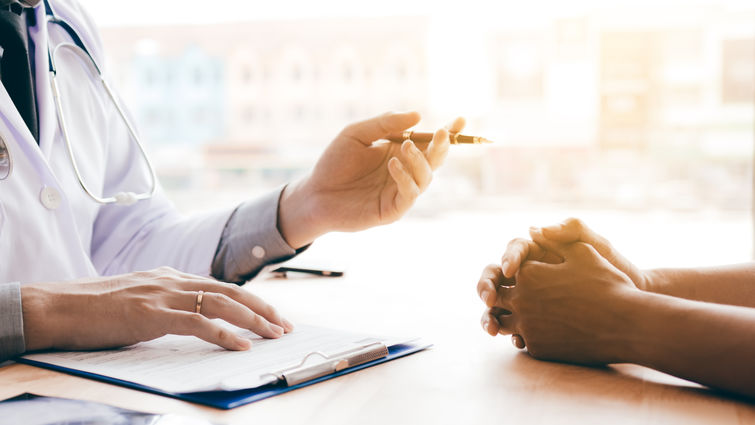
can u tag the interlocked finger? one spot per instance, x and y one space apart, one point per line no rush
506 320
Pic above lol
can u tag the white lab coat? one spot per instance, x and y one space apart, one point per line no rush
80 237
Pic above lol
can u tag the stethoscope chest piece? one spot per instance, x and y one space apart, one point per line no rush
5 163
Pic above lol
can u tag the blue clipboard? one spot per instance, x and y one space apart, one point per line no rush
231 399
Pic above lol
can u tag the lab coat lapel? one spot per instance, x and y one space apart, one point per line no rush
14 120
48 120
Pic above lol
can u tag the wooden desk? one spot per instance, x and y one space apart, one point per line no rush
423 285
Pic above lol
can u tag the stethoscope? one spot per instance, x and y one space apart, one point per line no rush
79 48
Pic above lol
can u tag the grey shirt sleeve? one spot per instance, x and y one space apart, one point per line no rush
251 240
11 321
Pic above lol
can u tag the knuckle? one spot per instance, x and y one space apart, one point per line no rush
229 289
256 319
223 299
483 283
222 334
575 222
517 243
195 319
144 274
152 289
582 248
166 270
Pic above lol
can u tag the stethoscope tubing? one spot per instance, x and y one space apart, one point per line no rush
79 48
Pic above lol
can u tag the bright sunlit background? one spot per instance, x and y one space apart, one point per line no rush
635 115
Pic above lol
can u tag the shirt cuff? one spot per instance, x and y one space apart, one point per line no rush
251 240
11 321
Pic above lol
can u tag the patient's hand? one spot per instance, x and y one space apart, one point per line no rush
568 303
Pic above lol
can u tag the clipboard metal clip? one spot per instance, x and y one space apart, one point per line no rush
301 373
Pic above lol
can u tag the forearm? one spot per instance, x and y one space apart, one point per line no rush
711 344
733 284
153 234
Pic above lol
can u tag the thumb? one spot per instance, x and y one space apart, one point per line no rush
381 126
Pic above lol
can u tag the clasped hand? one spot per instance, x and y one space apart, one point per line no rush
562 295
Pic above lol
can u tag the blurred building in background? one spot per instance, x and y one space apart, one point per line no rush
252 105
631 108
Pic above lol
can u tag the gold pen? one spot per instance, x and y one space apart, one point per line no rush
417 137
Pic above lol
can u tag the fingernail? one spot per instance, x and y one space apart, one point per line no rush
485 324
288 326
244 344
517 341
534 229
276 329
554 227
505 268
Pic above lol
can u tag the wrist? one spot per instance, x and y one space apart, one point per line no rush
36 306
628 344
645 333
298 220
652 280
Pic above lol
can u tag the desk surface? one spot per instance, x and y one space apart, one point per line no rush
407 279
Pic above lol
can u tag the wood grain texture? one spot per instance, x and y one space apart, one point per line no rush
404 280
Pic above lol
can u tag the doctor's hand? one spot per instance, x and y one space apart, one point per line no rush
361 181
569 305
114 311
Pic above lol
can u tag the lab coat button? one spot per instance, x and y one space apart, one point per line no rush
50 197
258 252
